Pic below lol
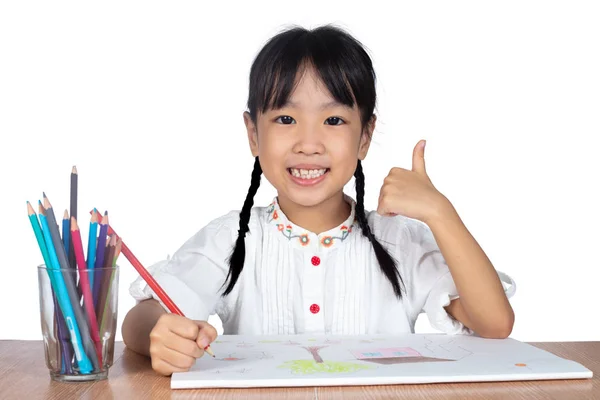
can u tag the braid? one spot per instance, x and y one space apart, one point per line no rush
386 262
238 255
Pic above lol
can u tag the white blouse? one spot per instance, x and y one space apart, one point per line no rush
295 281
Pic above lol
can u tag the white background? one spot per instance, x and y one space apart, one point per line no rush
146 99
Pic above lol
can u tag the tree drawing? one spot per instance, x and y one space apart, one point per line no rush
318 365
314 350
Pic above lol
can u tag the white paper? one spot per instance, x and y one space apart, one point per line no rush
317 360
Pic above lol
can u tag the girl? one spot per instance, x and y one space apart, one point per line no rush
314 260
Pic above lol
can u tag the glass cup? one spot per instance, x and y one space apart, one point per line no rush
78 310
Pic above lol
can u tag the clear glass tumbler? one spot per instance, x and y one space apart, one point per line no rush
78 310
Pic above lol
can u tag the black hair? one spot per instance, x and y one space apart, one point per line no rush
347 71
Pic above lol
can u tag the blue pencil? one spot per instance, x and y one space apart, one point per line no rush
66 231
60 288
91 250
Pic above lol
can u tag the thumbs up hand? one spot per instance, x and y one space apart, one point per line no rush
410 192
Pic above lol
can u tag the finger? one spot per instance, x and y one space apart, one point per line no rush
183 345
380 209
164 368
418 164
382 206
207 334
177 359
183 327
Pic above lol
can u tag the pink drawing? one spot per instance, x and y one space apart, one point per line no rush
394 355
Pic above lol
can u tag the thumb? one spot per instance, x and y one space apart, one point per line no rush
418 163
206 335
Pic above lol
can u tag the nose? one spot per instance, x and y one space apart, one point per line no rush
309 140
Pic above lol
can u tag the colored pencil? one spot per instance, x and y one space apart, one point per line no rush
100 253
105 279
66 231
151 281
88 300
61 289
91 250
66 351
63 262
73 209
112 275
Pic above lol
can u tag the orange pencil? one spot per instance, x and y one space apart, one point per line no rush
117 252
105 278
85 287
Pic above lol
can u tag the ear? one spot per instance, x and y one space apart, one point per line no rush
252 134
365 138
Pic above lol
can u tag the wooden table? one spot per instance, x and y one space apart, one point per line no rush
23 375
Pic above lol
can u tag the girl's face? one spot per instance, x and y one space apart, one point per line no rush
308 150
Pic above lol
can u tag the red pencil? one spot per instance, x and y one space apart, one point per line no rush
88 300
150 280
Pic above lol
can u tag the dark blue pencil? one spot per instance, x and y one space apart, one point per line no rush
100 253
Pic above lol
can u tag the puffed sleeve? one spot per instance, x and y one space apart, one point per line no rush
431 286
194 276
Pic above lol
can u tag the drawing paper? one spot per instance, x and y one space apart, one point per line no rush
319 360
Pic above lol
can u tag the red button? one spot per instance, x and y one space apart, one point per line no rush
314 308
315 261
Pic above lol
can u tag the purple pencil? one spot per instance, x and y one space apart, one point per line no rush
100 253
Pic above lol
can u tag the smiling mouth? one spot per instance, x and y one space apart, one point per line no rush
307 174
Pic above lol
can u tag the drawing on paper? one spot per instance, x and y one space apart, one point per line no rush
246 355
318 365
394 355
302 360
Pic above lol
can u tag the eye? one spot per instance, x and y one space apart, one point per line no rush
334 121
285 119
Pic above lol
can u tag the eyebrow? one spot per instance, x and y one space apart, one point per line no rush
324 106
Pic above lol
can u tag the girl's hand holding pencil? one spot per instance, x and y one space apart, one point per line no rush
176 342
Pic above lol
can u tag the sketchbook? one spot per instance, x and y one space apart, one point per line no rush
325 360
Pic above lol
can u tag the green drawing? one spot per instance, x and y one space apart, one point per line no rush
305 367
316 365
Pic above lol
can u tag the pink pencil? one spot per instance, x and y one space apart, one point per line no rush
85 287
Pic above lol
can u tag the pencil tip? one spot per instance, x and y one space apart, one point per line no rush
74 170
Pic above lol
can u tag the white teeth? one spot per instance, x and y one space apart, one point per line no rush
307 173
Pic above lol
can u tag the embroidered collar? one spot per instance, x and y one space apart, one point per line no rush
305 238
